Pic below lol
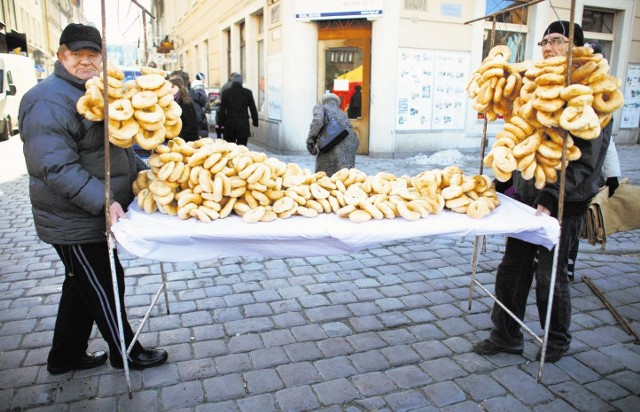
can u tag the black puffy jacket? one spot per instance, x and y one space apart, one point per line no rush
65 156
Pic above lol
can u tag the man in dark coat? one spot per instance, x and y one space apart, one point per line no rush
237 102
515 273
65 159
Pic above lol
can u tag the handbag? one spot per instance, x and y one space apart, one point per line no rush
330 135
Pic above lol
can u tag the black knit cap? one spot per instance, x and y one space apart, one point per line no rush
562 27
77 36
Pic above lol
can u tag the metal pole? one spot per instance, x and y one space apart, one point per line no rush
107 196
556 252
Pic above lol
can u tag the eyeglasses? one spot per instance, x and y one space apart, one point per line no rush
555 41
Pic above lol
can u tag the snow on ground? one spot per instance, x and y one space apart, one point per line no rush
443 158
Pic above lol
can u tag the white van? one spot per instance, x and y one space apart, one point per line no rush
17 75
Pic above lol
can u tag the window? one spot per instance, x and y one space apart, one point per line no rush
511 27
261 85
598 27
243 50
516 16
598 21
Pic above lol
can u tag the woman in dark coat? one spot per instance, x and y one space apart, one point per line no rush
189 116
344 153
233 118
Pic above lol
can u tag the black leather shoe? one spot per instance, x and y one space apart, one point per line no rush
488 347
147 358
86 361
552 354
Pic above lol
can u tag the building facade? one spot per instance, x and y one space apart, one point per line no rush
412 59
32 28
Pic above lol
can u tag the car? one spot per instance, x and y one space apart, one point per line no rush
17 75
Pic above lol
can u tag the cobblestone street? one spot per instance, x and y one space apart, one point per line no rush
385 329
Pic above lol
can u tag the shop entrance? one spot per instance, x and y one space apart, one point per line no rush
344 60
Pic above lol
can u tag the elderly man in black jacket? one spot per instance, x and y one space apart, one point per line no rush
517 269
65 159
236 103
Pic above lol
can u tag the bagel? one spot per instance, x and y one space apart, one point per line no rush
548 105
510 83
84 107
151 114
114 71
501 51
172 111
590 132
540 178
479 208
254 215
121 110
608 102
582 100
607 85
574 90
144 99
553 61
583 72
148 140
354 195
549 119
550 79
576 118
152 70
519 134
493 64
163 90
504 159
500 175
173 130
550 150
549 92
529 170
126 131
526 147
150 81
497 94
520 67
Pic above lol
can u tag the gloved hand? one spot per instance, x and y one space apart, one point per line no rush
311 147
612 184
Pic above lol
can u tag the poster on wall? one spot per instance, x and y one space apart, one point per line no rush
274 91
631 108
431 89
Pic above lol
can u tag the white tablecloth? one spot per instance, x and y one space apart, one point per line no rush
167 238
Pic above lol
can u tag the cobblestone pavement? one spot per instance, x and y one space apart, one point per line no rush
387 328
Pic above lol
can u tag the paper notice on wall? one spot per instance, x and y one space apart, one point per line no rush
415 89
631 109
431 88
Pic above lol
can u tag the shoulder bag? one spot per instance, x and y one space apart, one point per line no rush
331 134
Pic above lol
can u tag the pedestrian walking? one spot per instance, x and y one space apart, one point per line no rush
344 153
65 160
189 115
517 269
236 104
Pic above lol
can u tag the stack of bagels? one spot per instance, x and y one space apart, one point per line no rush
141 111
546 111
210 179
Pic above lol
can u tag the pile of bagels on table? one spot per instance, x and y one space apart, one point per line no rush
541 109
210 179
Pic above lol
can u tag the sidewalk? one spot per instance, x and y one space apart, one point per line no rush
387 328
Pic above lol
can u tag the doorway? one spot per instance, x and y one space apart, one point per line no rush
344 68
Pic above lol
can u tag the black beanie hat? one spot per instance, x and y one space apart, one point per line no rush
562 27
78 36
